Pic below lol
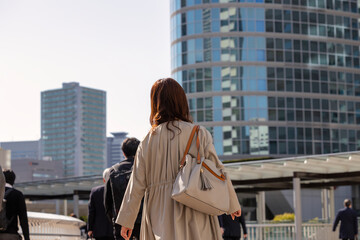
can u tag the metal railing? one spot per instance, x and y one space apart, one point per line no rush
286 231
46 226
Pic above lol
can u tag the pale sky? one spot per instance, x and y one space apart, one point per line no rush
121 47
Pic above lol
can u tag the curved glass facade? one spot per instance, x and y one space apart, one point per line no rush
270 77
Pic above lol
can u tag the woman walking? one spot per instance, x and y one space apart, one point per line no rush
156 167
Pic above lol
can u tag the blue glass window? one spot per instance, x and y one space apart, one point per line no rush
190 29
251 13
198 15
190 18
251 26
217 85
199 56
215 14
243 13
261 72
252 55
189 3
251 43
198 27
191 58
260 14
215 26
218 139
260 55
218 115
252 85
216 55
260 26
177 4
191 45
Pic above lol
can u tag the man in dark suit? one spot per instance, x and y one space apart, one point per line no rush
231 228
99 225
116 185
348 219
15 207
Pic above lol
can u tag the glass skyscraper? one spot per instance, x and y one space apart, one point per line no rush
270 77
73 128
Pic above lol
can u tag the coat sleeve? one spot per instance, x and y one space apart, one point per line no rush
108 201
221 222
337 219
134 192
91 217
243 225
210 153
24 223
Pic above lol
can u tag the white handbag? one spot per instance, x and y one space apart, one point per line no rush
200 184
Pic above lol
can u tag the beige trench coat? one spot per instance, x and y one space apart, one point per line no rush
155 168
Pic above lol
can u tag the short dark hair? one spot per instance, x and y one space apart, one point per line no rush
129 146
347 202
9 176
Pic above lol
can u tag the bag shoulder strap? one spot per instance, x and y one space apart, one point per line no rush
194 130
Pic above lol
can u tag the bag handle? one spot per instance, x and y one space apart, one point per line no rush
194 130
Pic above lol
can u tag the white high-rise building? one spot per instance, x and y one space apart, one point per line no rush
73 128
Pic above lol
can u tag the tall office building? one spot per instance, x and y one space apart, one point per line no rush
270 77
73 128
114 152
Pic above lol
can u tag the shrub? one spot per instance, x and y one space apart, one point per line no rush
314 220
286 217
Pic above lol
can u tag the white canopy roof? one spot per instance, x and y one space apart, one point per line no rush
285 167
314 171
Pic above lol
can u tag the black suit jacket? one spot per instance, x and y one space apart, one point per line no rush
349 224
232 227
16 207
97 220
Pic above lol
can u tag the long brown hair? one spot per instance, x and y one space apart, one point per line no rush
168 103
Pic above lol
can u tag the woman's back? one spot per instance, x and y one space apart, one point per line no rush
158 161
156 166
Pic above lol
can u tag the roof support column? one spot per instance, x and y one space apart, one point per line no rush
332 204
325 204
65 207
57 206
260 212
260 207
76 204
297 208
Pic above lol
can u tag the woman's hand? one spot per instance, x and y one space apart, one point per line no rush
236 214
126 233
